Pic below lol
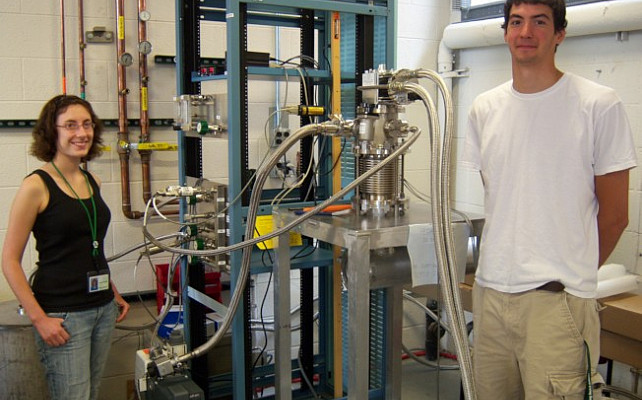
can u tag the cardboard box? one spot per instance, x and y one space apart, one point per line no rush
465 291
621 338
621 319
621 349
623 315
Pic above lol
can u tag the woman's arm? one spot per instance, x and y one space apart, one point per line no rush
30 199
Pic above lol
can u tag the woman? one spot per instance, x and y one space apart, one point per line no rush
71 302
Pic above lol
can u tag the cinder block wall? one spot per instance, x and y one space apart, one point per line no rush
31 74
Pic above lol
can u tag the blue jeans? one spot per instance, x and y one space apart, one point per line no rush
74 370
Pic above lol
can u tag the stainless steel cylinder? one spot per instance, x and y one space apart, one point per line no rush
22 376
378 194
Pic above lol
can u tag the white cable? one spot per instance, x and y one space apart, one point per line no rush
143 244
426 310
305 377
283 194
423 197
160 214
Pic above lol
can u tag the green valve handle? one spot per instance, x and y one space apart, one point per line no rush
202 128
192 230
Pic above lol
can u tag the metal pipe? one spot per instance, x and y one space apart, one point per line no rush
261 177
143 79
81 57
123 132
62 46
583 20
81 49
443 231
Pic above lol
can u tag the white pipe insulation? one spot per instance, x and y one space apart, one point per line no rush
585 19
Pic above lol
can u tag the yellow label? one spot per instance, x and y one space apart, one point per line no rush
156 146
143 98
121 28
265 225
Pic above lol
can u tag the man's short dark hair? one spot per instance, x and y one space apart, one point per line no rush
45 133
558 7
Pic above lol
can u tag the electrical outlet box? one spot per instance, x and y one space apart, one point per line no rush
278 136
278 127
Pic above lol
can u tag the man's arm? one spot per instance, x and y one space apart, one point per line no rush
612 191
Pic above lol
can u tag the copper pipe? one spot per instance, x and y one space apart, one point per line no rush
81 57
62 46
81 45
123 133
145 155
145 158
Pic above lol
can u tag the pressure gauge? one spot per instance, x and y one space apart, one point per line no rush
145 47
144 15
126 59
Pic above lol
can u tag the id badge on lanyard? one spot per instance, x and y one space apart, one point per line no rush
97 281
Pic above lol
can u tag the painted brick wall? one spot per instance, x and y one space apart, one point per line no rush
30 74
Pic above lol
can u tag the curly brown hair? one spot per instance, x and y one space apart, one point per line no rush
558 7
45 133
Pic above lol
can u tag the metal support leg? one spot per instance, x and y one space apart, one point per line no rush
358 271
282 323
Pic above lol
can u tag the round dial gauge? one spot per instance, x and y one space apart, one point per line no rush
145 47
126 59
144 15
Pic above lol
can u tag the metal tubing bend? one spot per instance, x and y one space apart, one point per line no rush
261 177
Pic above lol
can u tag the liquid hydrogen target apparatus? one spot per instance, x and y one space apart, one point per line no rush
377 237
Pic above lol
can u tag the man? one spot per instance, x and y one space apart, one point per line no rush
554 151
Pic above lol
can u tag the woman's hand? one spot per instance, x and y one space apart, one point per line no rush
123 306
52 331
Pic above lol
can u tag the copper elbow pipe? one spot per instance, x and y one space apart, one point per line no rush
145 155
126 202
123 132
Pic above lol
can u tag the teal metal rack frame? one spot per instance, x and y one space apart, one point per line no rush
370 27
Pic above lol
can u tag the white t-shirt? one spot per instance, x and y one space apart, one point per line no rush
538 155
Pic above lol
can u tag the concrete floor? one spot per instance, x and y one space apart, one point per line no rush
418 381
421 382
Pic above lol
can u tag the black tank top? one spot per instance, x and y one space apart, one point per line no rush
64 244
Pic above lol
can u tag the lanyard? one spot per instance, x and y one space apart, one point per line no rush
588 392
92 222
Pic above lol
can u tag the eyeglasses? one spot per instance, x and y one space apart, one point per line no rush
73 126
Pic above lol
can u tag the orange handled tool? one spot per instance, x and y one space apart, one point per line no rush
332 208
